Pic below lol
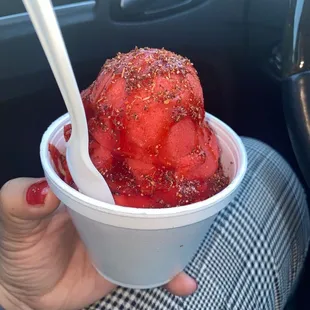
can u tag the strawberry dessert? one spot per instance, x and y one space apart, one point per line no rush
147 132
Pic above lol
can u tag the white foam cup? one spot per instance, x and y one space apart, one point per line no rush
144 248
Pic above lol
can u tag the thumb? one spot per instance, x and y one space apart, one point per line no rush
24 202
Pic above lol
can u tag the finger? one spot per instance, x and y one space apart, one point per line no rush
26 200
182 285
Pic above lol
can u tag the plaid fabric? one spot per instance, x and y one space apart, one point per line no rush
254 252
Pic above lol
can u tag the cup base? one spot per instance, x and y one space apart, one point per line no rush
131 286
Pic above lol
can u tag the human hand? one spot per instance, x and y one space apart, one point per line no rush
43 262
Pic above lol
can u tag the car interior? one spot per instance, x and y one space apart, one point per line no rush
252 56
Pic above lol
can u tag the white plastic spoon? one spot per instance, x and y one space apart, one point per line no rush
87 178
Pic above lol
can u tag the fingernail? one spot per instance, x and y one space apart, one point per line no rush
37 193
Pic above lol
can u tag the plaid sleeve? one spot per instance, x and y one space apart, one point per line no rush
254 252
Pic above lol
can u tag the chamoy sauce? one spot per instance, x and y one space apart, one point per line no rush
147 131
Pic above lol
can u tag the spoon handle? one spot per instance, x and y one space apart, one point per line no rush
46 26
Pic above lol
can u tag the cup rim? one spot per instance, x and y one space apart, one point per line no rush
131 211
